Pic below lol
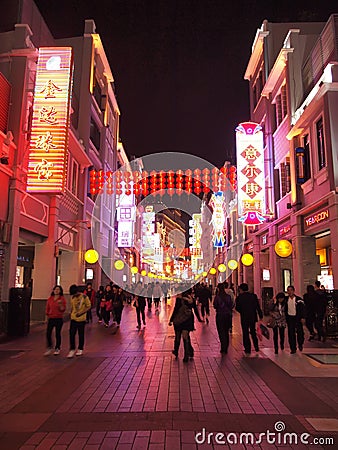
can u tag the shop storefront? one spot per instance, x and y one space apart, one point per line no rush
317 225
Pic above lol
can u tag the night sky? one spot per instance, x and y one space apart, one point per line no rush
178 65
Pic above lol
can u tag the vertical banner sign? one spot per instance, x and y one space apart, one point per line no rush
195 232
250 173
217 203
47 166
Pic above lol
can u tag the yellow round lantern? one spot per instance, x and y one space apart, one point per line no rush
204 274
283 248
134 270
143 273
222 268
247 259
91 256
212 271
232 264
119 264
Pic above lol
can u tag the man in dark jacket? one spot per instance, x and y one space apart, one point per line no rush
295 318
204 296
247 305
320 310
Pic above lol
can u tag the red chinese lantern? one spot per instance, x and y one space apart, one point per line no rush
188 181
118 182
223 179
197 181
153 182
179 182
93 182
100 180
214 179
136 182
145 190
127 182
109 175
206 180
161 178
170 180
233 177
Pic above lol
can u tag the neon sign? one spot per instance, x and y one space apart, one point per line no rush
316 218
47 166
218 218
250 173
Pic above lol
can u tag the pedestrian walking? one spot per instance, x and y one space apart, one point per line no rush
204 296
278 320
107 305
140 305
79 305
99 296
117 304
149 289
223 305
295 317
183 320
55 308
90 293
230 292
157 293
320 308
248 306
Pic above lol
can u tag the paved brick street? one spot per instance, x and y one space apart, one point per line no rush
128 392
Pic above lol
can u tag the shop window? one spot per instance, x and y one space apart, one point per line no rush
281 106
94 134
97 93
73 176
303 166
320 144
285 175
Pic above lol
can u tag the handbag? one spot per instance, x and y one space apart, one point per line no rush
183 314
264 330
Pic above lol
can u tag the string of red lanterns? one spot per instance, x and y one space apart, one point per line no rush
158 183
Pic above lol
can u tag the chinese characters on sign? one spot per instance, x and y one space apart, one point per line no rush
195 232
217 203
47 165
250 173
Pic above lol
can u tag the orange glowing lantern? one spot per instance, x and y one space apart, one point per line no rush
283 248
100 179
93 182
127 182
136 182
197 181
145 190
153 182
214 179
247 259
233 177
179 182
170 178
109 178
188 181
206 180
91 256
223 179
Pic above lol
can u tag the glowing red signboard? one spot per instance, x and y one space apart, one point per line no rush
47 166
250 173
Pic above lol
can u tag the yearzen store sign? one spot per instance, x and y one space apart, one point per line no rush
316 218
47 166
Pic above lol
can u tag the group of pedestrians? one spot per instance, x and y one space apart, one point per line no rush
287 312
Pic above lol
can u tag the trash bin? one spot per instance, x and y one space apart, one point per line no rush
19 312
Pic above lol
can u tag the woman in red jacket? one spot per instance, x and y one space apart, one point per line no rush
56 306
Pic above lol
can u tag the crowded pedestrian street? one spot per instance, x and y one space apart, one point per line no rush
128 391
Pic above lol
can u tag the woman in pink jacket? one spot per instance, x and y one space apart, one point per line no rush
56 306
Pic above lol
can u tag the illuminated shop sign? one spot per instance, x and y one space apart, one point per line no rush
47 166
284 230
250 173
125 237
218 218
318 217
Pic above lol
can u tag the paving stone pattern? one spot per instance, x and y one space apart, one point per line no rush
129 392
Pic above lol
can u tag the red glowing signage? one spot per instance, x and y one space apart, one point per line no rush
47 166
314 219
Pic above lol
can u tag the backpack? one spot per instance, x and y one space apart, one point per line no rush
183 314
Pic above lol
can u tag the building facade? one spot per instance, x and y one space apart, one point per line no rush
44 236
292 75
